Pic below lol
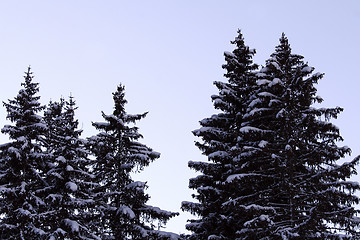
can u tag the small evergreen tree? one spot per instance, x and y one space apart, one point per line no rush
21 165
222 146
121 201
68 197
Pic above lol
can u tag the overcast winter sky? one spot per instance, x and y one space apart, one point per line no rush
167 54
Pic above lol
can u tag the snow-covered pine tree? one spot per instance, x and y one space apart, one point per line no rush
68 199
121 201
301 190
222 145
21 165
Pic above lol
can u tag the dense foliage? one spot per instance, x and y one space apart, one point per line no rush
68 197
122 206
273 170
21 165
56 185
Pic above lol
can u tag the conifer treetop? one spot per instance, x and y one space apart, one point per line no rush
24 107
123 200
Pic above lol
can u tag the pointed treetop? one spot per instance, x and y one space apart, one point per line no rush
71 104
25 105
28 76
119 100
240 60
241 47
283 37
29 72
282 51
283 56
30 87
239 40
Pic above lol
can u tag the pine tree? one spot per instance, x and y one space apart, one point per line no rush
67 197
121 201
222 146
273 171
21 166
302 192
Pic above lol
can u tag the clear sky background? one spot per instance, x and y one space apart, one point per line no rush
167 54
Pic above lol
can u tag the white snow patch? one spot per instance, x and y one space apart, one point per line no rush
69 168
275 81
239 176
24 212
267 94
207 188
254 102
229 54
126 211
72 224
22 187
281 113
136 184
60 231
249 129
263 143
14 150
40 125
72 186
246 154
143 232
158 210
21 139
38 231
262 82
213 237
318 74
307 69
254 111
260 74
262 218
168 235
225 92
273 101
61 159
218 154
258 207
276 65
218 101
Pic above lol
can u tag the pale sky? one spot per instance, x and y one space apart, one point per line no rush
167 54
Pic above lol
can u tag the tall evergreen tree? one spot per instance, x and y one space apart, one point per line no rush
273 173
121 201
222 146
302 191
21 165
67 197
